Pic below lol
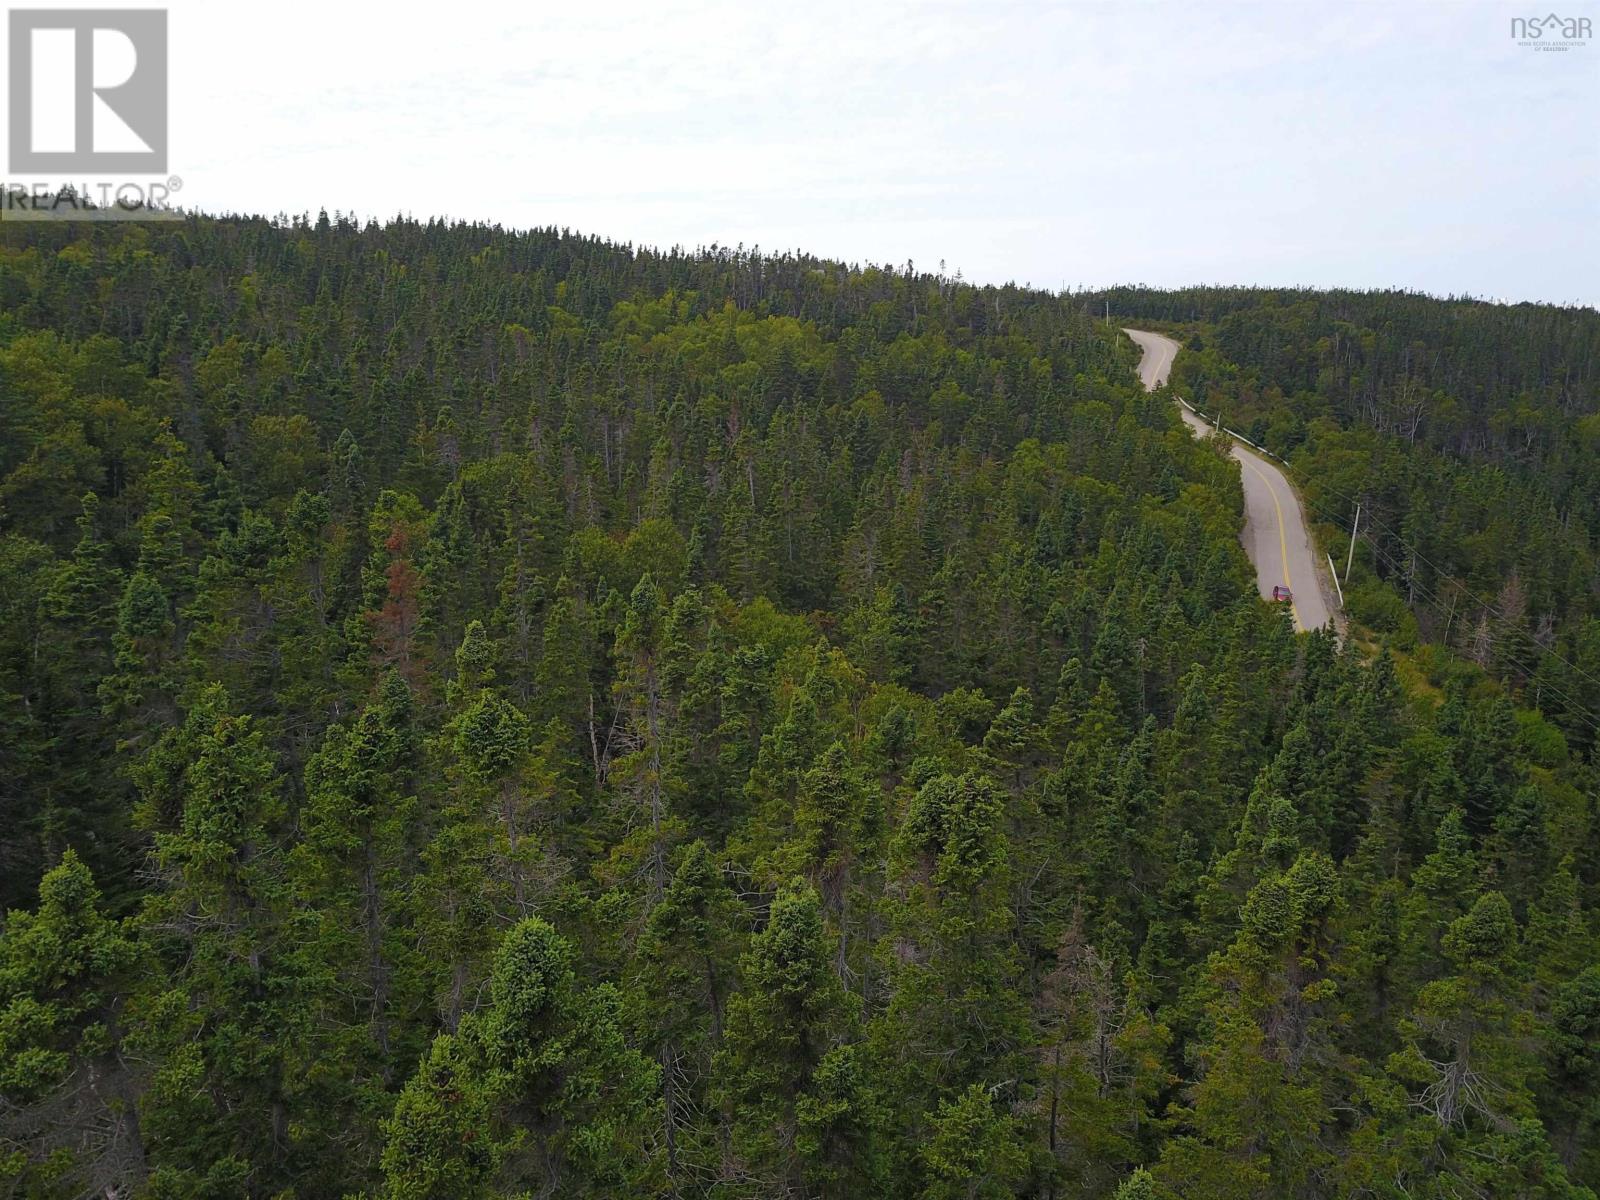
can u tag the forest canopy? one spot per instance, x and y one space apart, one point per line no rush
507 714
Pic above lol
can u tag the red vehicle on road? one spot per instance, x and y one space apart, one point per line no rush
1281 593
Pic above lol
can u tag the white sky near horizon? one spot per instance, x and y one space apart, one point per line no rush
1406 144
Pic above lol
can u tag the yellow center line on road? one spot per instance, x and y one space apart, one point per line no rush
1283 541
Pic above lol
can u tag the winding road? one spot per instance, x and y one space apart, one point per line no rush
1275 535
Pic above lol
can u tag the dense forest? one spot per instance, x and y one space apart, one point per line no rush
493 714
1469 435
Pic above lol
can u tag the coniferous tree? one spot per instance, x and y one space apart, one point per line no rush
780 1026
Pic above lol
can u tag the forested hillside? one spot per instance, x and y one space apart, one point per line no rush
511 715
1469 433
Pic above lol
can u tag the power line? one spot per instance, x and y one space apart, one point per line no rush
1573 707
1493 608
1528 665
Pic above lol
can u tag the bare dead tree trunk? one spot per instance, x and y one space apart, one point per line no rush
377 968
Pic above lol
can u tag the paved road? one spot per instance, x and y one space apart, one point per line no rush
1275 535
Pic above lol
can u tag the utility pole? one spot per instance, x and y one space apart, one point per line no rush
1352 556
1108 314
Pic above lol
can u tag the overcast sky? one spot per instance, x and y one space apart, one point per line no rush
1385 144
